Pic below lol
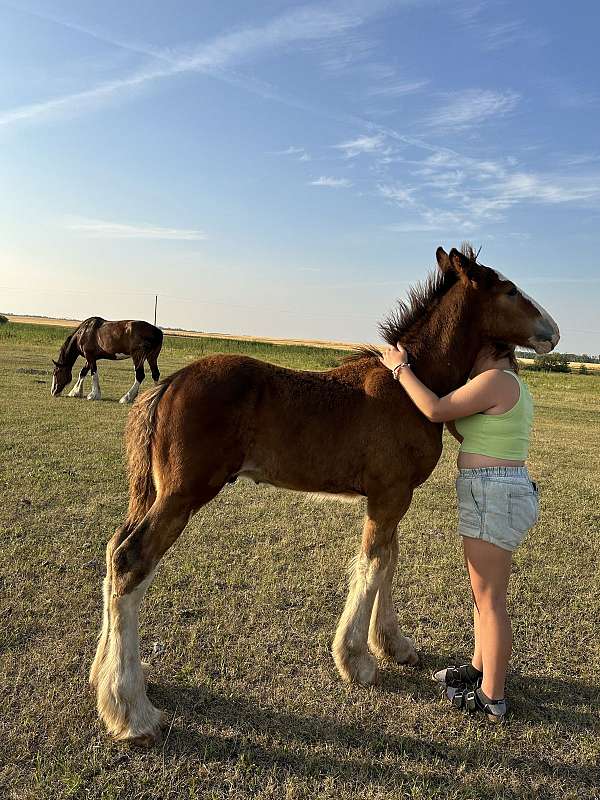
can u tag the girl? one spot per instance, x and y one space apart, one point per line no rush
497 503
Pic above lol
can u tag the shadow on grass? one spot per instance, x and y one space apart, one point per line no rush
532 699
305 745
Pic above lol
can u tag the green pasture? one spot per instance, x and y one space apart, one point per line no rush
239 621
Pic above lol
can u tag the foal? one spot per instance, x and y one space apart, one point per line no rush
347 431
96 338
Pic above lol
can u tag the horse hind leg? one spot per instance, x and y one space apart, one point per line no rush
153 364
117 670
121 534
385 638
130 396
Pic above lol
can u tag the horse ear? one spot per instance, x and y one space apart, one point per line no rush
464 268
443 260
55 363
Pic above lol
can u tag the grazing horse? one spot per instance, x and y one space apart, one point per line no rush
98 338
348 431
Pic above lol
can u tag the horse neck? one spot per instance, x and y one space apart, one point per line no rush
443 351
69 351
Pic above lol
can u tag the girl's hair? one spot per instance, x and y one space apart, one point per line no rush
505 350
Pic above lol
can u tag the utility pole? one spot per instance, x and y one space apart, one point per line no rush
155 304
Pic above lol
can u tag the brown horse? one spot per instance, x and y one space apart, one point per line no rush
348 431
97 338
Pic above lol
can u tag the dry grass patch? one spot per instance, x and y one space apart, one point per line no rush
240 618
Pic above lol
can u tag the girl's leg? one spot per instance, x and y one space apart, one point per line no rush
477 660
489 571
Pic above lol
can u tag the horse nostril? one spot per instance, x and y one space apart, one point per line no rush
547 332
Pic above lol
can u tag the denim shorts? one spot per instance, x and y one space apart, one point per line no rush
496 504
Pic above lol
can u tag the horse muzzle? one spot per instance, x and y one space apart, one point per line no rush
546 336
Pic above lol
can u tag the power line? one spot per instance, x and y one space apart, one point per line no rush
227 304
197 301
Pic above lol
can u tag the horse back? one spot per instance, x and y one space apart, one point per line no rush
107 338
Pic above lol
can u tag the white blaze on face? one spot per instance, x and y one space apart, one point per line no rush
53 389
542 311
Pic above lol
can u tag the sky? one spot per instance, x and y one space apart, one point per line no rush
281 169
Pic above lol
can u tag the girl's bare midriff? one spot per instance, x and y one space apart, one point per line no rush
474 460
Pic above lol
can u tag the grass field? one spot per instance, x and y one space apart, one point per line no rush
239 620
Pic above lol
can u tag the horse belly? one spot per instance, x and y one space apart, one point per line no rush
315 454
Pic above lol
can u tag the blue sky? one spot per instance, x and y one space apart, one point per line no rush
288 170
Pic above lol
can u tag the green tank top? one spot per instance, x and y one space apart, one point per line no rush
503 436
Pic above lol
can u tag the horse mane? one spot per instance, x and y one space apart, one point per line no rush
421 298
407 314
66 346
398 325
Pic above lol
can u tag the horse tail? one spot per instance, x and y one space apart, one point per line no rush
139 433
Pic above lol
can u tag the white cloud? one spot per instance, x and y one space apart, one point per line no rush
402 196
483 190
580 159
399 88
214 57
290 151
504 34
294 151
434 219
472 107
495 34
103 229
363 144
410 227
331 182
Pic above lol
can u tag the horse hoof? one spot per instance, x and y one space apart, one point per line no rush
366 671
414 659
145 740
361 669
406 653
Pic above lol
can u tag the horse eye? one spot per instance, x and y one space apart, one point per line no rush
512 292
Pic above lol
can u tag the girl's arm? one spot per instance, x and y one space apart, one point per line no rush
480 394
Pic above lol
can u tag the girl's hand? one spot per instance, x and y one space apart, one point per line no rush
392 356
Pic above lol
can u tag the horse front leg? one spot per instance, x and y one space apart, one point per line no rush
385 637
95 394
368 571
130 396
77 390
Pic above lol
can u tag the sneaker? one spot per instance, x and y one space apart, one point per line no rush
455 676
494 710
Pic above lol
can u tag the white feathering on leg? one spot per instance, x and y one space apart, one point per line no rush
122 701
77 390
95 393
132 393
